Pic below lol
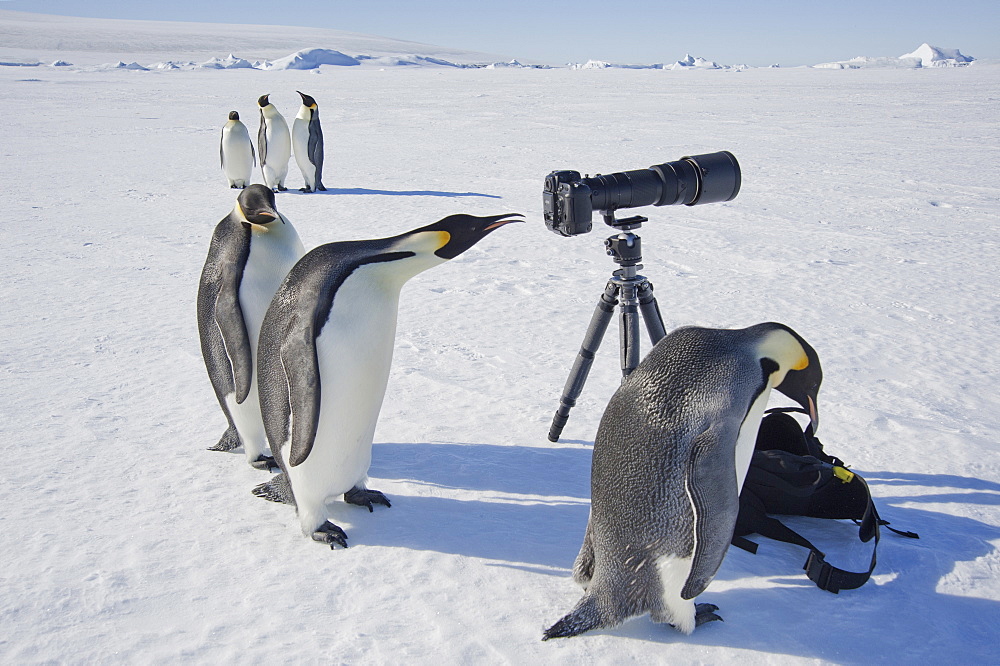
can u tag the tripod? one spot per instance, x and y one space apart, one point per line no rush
633 293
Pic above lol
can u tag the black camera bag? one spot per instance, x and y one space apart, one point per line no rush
790 474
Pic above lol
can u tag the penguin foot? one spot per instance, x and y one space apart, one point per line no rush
331 534
229 441
265 463
282 188
321 188
304 189
705 613
364 497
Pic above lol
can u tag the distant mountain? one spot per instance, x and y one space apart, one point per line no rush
933 56
26 35
28 39
925 56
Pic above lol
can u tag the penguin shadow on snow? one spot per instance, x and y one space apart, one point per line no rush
533 514
896 620
537 517
396 193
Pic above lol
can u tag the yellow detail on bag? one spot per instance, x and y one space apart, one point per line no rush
843 474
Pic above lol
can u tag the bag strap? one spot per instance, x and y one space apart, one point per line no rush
825 575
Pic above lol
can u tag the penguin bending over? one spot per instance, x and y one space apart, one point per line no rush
236 152
252 250
325 351
307 144
670 456
274 143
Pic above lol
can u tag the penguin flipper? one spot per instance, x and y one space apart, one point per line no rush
278 489
229 319
315 149
715 503
230 441
253 154
222 153
262 140
301 368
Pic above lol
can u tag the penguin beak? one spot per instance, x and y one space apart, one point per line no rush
813 413
261 217
496 225
464 231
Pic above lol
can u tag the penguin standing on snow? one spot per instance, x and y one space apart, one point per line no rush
274 143
252 250
671 453
307 144
236 152
325 351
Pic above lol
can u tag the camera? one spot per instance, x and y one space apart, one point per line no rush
569 200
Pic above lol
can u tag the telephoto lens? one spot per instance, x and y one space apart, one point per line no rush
693 180
570 200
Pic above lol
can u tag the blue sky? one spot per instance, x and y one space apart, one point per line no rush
761 32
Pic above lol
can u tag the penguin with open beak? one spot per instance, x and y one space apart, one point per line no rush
324 357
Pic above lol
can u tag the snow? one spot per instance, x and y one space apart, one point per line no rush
925 56
231 62
933 56
313 58
867 221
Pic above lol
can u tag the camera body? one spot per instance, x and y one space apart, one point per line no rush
566 203
569 200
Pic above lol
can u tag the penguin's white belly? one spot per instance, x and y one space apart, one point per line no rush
237 158
248 421
354 350
279 150
747 439
674 572
300 146
272 254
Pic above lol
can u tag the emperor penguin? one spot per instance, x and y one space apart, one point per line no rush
274 143
252 250
307 144
325 350
236 152
669 460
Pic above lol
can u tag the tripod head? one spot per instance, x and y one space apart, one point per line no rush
626 224
625 248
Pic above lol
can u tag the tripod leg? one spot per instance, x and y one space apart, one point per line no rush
584 359
628 330
650 312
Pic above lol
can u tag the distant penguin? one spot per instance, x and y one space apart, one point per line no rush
307 144
671 453
236 152
252 250
325 350
274 143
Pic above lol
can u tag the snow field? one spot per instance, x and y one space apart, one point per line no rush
866 222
